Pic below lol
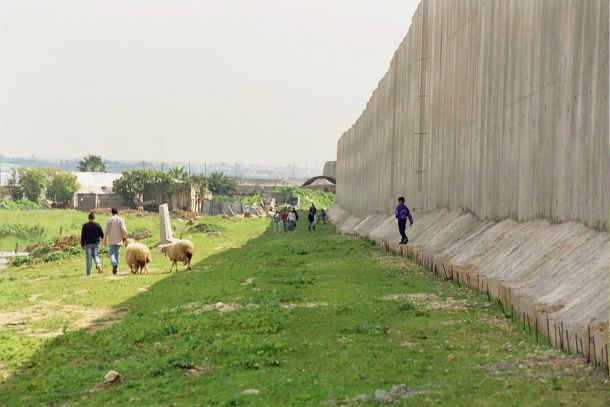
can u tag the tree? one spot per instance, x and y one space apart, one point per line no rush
200 184
144 183
220 184
33 181
178 173
62 186
14 189
92 163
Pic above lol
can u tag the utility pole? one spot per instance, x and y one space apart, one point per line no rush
205 168
189 168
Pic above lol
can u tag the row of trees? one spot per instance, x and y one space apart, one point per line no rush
60 186
144 183
136 180
32 183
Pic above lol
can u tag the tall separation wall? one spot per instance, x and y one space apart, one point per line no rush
493 122
497 107
330 169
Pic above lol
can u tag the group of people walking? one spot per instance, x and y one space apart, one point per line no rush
115 234
287 219
92 236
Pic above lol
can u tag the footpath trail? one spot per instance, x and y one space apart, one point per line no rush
288 319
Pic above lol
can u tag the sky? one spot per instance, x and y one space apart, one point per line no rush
255 81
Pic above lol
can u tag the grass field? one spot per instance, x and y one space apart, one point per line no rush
303 318
54 221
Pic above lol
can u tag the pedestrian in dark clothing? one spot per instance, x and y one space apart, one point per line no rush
402 214
90 237
323 216
313 211
312 221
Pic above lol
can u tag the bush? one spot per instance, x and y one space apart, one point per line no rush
21 231
22 204
48 252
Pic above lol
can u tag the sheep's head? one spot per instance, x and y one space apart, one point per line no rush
162 248
129 241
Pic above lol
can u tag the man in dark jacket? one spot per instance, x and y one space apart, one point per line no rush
312 221
90 238
313 211
402 214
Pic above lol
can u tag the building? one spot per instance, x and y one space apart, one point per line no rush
96 191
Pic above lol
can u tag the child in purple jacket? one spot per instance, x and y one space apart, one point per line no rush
402 214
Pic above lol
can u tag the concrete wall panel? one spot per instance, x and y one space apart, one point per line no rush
499 108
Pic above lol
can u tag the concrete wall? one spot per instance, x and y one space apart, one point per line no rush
90 201
496 107
330 169
493 122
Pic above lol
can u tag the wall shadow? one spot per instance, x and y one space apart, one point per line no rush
69 366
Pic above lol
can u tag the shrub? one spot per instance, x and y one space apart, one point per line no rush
22 204
21 231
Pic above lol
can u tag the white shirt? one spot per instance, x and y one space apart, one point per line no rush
115 230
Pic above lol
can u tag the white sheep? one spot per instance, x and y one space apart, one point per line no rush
137 256
181 250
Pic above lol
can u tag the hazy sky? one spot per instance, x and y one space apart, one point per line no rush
259 81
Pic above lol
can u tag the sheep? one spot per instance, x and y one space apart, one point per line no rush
137 256
181 250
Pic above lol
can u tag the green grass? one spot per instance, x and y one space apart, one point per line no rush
321 199
302 317
54 221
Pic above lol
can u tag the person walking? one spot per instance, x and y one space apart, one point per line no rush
296 218
292 220
323 216
277 218
116 233
312 221
312 209
402 214
284 216
90 237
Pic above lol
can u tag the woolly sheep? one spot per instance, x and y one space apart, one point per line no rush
181 250
137 256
